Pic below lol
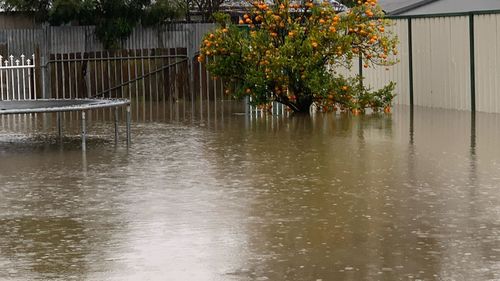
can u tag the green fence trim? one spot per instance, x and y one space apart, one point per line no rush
410 60
440 15
472 63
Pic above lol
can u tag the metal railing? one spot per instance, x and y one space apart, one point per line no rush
16 78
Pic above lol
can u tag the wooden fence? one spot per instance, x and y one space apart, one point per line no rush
150 74
153 64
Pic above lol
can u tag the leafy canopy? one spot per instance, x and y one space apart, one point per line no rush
291 53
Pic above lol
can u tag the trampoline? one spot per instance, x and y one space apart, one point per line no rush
66 105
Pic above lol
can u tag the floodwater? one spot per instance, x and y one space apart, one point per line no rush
213 195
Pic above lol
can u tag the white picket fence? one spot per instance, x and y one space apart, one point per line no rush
17 78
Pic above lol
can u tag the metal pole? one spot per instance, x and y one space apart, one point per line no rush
18 82
410 62
12 77
472 63
116 124
1 79
84 133
129 139
34 83
24 77
7 80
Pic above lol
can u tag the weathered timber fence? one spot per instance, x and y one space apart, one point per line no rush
120 74
153 64
446 61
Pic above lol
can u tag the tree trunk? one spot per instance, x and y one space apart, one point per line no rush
301 105
304 104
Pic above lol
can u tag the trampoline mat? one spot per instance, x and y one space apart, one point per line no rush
54 105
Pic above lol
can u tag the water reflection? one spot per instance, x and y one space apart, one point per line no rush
211 194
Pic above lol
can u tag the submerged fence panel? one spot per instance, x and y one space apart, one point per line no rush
149 74
453 62
487 43
380 76
441 62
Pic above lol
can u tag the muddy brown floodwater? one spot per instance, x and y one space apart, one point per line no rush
214 195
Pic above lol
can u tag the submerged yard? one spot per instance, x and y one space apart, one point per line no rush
213 196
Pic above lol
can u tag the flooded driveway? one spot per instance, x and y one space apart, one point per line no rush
213 196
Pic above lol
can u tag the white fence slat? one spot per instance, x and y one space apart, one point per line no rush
13 83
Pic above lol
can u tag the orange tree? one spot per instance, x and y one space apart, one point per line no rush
291 53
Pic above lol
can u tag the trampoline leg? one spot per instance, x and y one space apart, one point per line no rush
59 125
129 139
116 125
84 132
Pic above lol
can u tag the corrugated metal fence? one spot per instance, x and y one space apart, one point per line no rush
446 61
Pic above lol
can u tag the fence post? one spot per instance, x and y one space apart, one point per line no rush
190 55
410 59
44 78
38 75
360 69
472 63
44 63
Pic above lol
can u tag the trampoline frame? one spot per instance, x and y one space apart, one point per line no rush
82 105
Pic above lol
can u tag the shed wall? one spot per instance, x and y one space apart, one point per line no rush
441 57
487 42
